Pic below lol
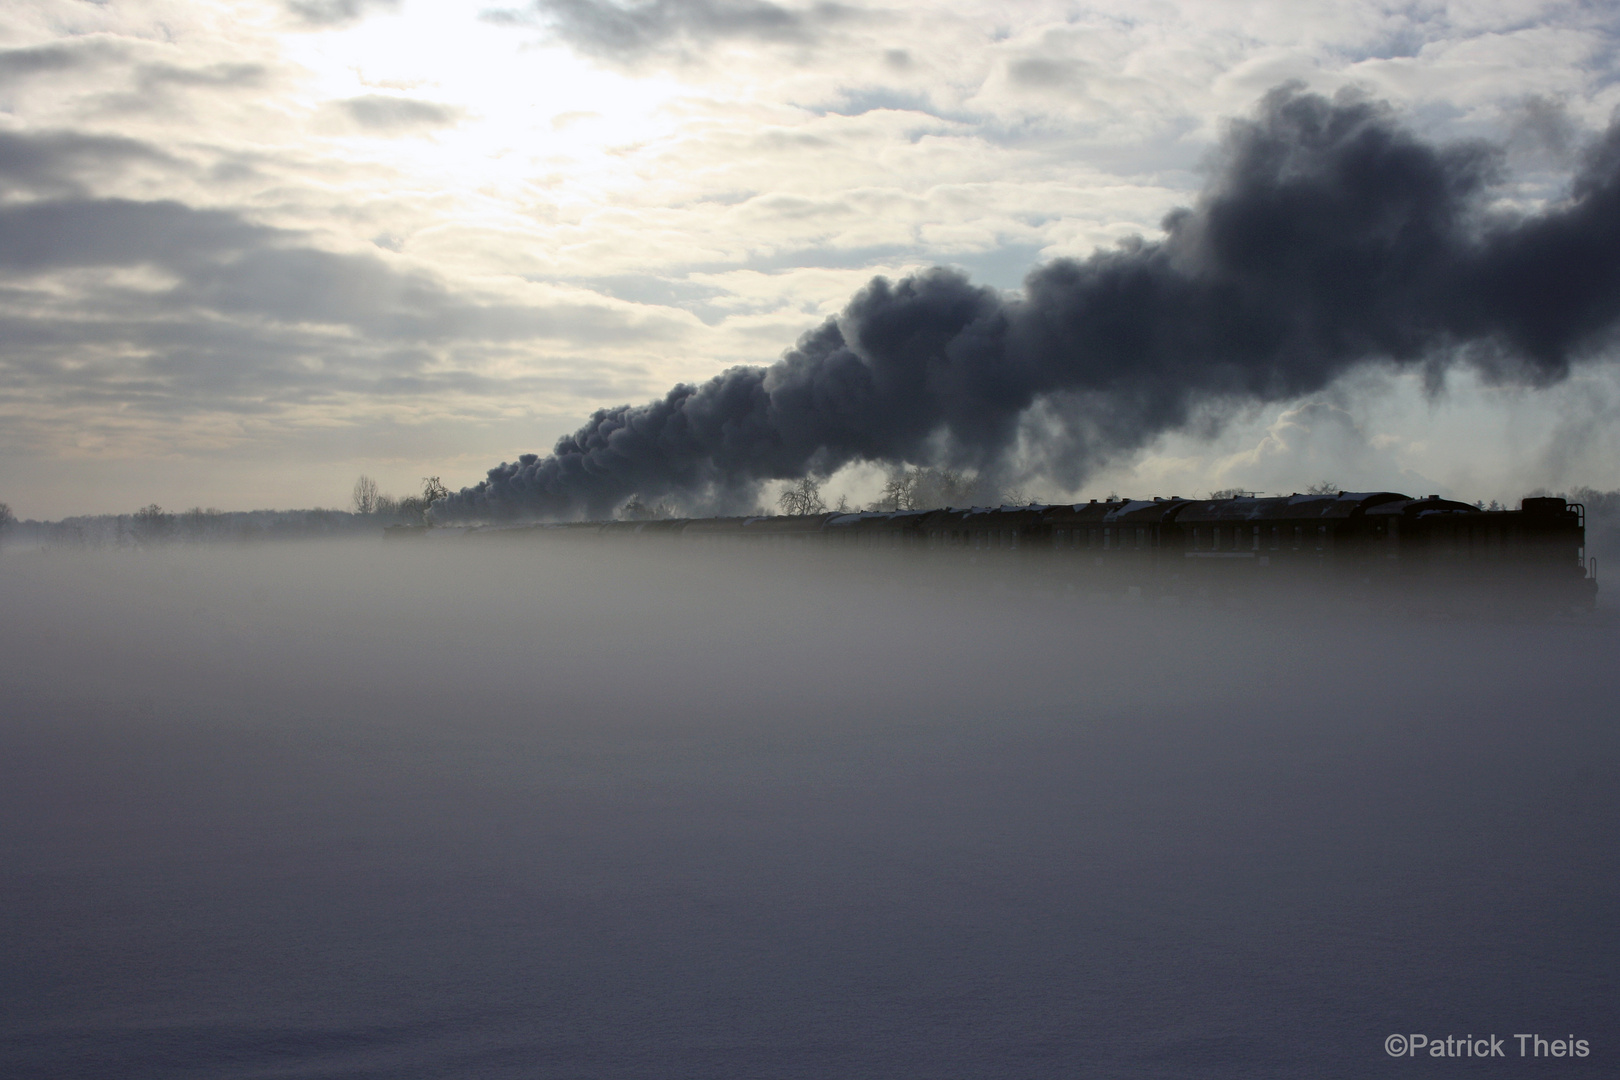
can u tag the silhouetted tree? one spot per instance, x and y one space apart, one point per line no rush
928 489
7 521
150 524
413 509
804 497
365 495
433 490
199 524
1323 487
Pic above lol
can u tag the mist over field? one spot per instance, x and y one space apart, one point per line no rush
476 808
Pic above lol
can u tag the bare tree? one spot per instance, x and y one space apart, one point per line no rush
365 495
413 509
7 520
150 524
927 489
433 490
804 497
199 524
1323 487
898 493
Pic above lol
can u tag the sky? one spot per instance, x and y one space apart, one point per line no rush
249 251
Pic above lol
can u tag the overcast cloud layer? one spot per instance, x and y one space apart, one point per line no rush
250 250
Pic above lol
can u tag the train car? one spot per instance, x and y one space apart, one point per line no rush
1286 537
1536 551
876 530
1379 544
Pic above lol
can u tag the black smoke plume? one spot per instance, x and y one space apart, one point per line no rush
1329 236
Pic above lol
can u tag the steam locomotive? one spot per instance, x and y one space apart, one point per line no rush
1372 542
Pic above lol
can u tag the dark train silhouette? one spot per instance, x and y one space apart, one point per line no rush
1374 542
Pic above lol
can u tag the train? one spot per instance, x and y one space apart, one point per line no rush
1379 544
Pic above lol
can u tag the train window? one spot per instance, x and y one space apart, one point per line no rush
1141 538
1321 537
1257 538
1276 537
1057 538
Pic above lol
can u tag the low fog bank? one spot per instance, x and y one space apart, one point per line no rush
505 809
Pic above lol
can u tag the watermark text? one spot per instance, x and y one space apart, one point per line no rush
1486 1046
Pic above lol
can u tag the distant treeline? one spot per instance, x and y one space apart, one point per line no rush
152 525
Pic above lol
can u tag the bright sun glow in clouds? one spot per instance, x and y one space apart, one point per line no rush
438 235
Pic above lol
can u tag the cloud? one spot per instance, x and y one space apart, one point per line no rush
58 162
222 76
387 115
627 31
1329 236
324 13
1319 441
165 307
1039 72
55 59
